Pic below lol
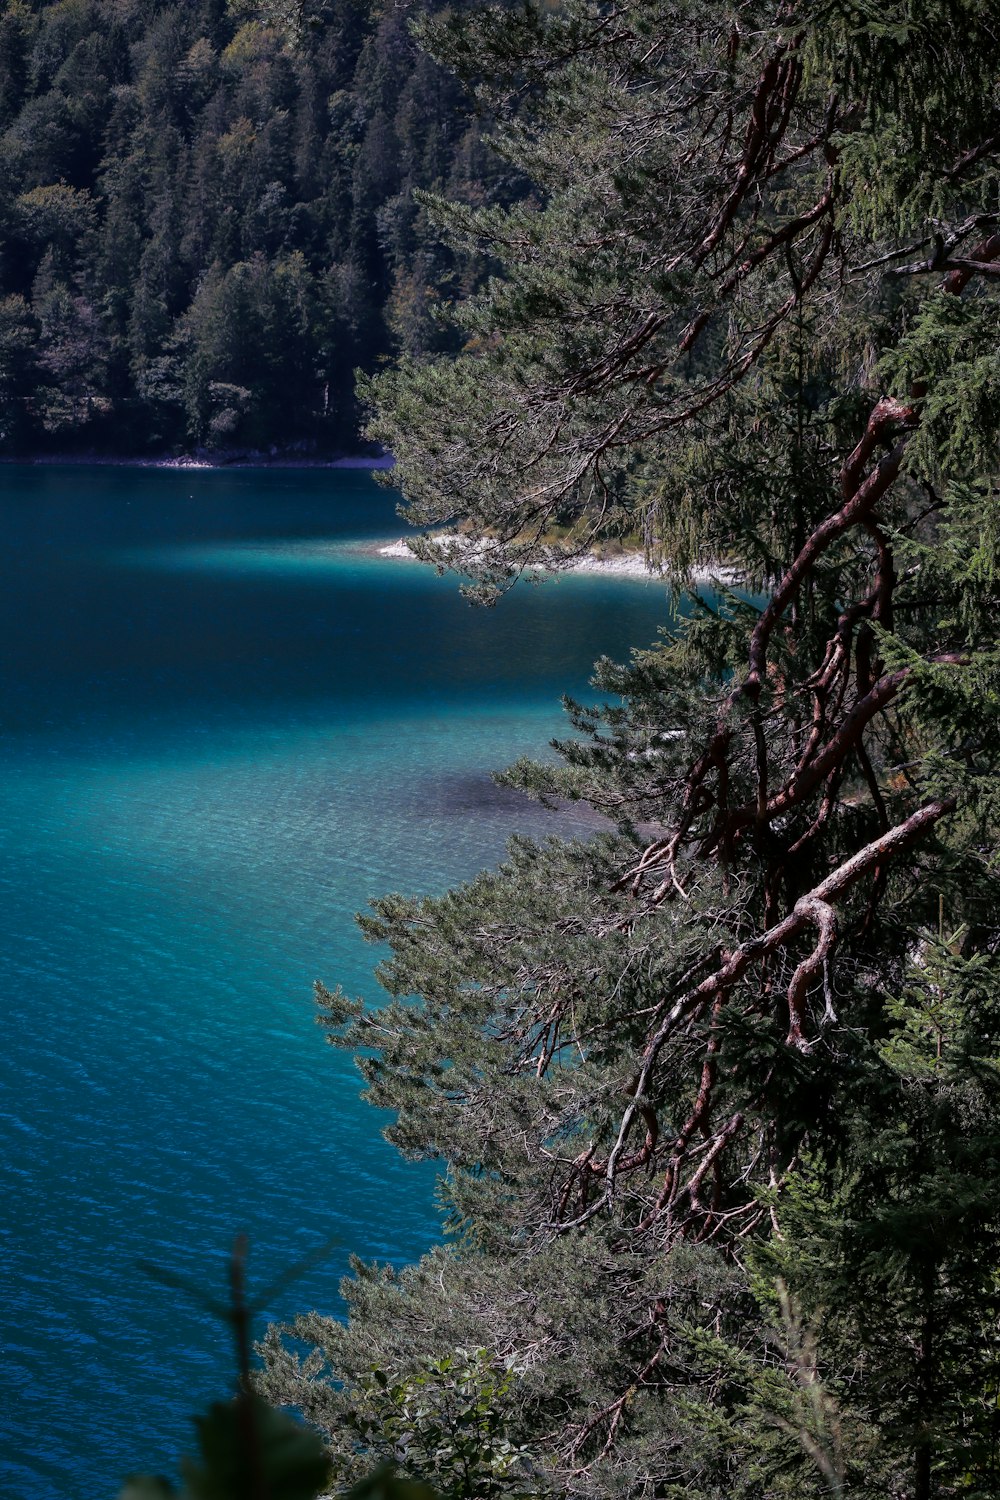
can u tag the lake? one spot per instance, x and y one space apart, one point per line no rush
225 727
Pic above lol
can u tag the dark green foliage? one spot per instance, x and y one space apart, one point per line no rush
445 1423
249 1450
246 1448
716 1090
207 208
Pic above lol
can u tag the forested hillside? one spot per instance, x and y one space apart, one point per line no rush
207 220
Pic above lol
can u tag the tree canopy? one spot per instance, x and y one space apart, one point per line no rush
716 1091
206 217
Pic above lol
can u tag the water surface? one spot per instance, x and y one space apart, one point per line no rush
224 729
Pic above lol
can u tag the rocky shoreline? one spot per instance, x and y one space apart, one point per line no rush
622 564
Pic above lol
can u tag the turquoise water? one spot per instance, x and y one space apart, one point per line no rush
224 728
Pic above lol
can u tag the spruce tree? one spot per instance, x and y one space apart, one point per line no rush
716 1090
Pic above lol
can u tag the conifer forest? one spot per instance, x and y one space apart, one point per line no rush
714 1089
207 219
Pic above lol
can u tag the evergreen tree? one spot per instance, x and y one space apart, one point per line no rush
716 1090
18 376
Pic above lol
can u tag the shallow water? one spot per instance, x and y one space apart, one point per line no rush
224 728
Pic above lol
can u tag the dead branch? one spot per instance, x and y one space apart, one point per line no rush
812 909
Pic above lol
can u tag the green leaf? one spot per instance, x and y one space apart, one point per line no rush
384 1483
248 1447
146 1487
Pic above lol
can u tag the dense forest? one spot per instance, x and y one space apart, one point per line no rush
207 218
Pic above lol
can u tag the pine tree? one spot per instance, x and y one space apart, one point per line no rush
716 1090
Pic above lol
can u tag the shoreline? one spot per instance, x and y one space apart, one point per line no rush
623 564
361 461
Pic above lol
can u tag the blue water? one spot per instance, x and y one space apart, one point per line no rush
224 729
